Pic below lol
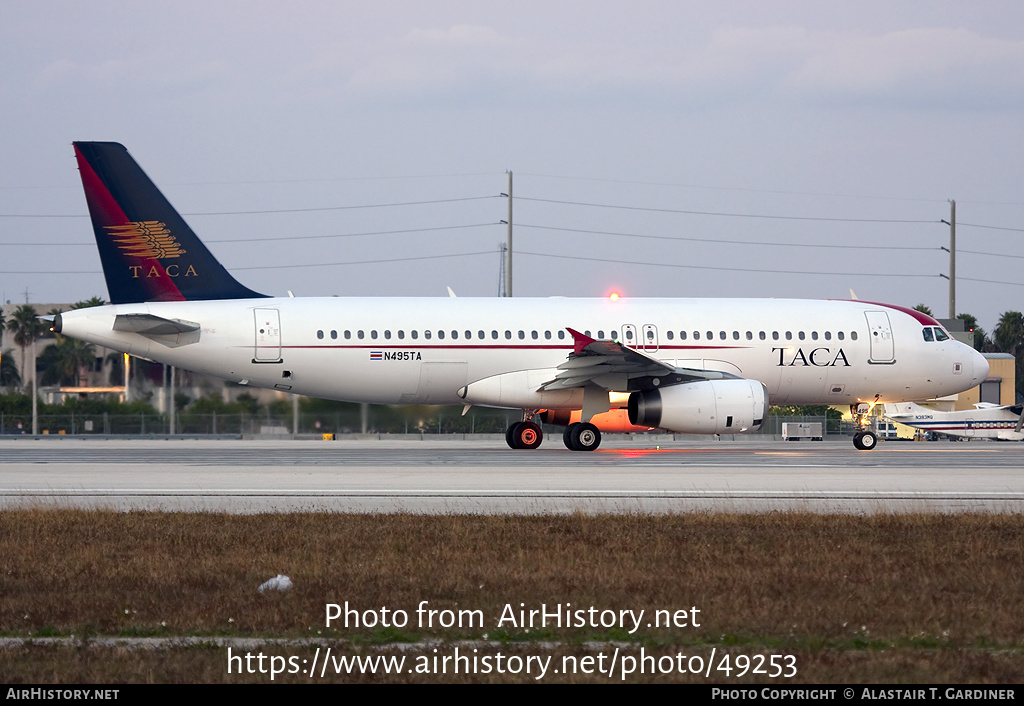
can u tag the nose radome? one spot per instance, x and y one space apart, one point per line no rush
980 366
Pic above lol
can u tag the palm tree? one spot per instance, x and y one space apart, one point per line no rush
1009 333
1009 338
9 376
924 309
971 325
94 301
75 357
26 327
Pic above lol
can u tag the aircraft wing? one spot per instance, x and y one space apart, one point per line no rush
613 366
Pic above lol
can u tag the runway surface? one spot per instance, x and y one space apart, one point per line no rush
484 476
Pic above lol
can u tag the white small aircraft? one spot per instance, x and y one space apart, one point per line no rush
704 366
985 421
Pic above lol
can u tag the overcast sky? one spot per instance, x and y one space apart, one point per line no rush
658 148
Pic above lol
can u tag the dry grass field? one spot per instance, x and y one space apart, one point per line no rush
903 598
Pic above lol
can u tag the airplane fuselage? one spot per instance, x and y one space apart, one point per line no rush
423 351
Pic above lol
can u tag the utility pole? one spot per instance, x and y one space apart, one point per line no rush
173 424
502 250
35 390
508 246
952 259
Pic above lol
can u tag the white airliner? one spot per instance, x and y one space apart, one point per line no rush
985 421
705 366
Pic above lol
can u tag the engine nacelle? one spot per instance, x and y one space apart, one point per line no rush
707 407
520 389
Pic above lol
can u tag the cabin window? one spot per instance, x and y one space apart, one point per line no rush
800 335
828 335
469 335
600 334
348 334
480 335
387 334
735 335
814 335
373 333
534 335
682 335
629 334
761 335
587 333
721 335
494 335
360 335
711 335
789 335
547 335
455 335
650 334
440 335
561 334
319 334
508 335
669 335
334 335
401 335
613 334
853 335
775 335
750 335
522 335
426 334
696 335
415 334
840 335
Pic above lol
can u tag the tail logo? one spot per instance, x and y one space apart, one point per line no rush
145 239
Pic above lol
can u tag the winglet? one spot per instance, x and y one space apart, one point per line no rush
579 341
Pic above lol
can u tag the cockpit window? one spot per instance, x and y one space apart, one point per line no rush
927 331
941 335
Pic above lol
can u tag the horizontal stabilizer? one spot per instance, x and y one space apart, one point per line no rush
150 325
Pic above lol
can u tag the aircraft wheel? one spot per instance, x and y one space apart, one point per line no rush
567 436
509 438
585 437
865 441
524 435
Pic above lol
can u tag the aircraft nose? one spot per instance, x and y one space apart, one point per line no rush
980 366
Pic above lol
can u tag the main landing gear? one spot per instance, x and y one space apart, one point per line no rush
577 437
581 436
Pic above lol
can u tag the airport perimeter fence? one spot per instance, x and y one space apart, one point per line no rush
213 424
448 421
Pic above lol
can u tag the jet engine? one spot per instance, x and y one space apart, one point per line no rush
705 407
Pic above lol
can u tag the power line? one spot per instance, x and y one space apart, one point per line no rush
275 210
735 188
339 208
364 262
723 269
729 242
725 214
269 267
91 243
975 225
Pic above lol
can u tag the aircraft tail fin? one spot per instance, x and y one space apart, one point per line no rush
147 250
